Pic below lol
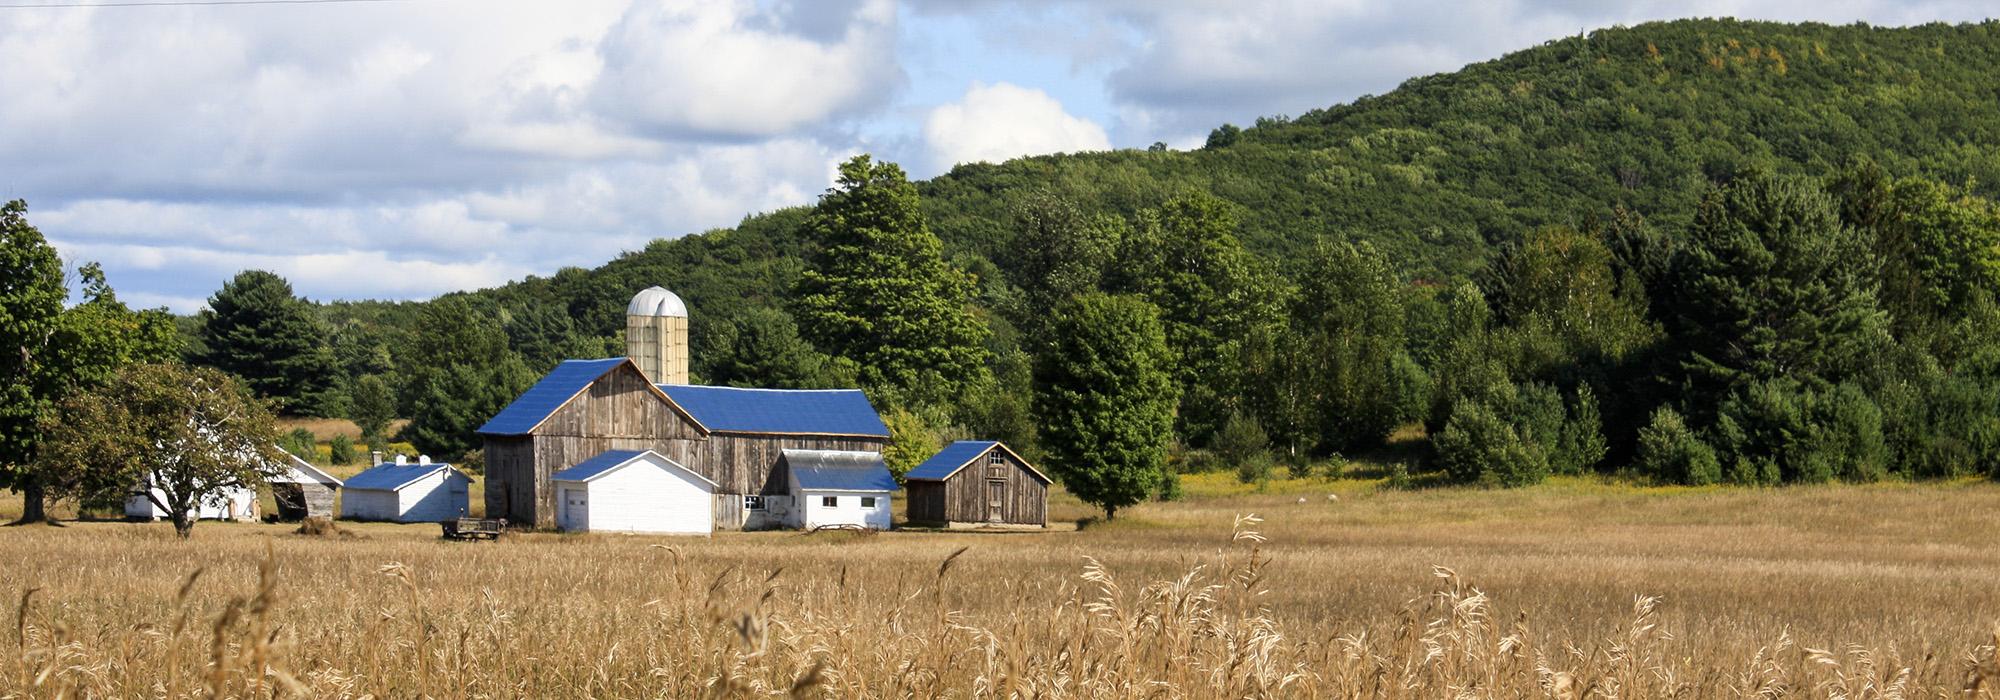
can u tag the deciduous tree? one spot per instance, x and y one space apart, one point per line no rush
188 433
1105 395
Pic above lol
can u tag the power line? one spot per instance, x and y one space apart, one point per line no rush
179 3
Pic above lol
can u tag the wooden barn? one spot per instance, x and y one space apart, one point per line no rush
837 488
406 492
302 490
730 436
977 483
634 491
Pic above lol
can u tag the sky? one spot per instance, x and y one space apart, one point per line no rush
400 149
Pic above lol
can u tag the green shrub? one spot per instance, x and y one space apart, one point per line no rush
1668 451
1478 446
1254 470
340 450
300 442
1241 439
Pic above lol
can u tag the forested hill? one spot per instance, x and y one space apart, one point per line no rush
1437 171
1620 134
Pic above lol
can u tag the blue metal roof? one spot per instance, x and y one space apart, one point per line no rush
786 411
949 460
594 466
555 389
391 476
839 470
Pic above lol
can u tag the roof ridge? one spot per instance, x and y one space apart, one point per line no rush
665 387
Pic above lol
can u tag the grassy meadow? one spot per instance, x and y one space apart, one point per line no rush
1577 588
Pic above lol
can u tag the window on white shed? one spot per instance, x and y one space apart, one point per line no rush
868 501
753 502
830 501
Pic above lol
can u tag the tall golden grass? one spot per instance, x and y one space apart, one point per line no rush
1566 592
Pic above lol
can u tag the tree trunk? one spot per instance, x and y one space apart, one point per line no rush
183 525
34 503
1111 512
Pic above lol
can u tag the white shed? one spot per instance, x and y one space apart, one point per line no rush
838 488
424 492
237 503
634 491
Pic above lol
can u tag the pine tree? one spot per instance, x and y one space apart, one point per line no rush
256 329
1768 284
467 375
1105 395
878 291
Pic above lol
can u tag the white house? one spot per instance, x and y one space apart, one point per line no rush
423 492
634 491
237 503
838 488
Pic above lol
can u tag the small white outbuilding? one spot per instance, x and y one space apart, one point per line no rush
405 492
237 503
634 491
838 488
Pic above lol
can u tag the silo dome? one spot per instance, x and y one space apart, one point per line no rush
656 301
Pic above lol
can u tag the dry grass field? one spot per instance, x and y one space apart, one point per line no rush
1571 589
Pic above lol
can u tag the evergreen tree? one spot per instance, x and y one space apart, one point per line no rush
878 291
761 347
1105 395
256 329
1771 284
468 375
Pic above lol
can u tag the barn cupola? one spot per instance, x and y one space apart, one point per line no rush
656 335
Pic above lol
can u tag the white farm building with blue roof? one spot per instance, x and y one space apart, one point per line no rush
634 491
406 492
837 488
733 437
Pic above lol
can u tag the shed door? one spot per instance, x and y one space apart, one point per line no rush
576 509
996 500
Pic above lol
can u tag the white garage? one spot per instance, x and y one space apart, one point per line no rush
838 488
424 492
634 491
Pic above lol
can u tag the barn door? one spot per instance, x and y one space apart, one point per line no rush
996 500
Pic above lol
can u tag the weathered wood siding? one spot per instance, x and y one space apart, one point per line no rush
621 411
970 495
301 501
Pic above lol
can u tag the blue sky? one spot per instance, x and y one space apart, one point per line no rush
403 149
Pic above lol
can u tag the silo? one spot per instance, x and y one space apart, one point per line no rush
656 335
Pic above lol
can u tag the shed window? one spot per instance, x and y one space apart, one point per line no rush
830 501
753 502
868 501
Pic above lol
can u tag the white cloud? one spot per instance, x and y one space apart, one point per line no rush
725 68
407 149
996 122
